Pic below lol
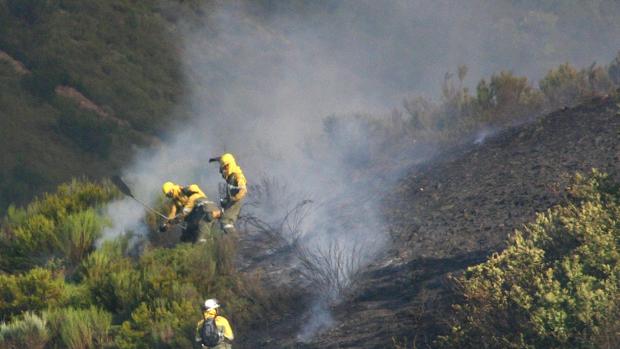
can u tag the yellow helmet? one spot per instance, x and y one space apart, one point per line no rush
167 188
227 159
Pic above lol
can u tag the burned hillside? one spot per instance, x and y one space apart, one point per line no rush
460 208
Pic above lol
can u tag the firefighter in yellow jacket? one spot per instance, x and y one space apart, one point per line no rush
189 204
236 189
214 330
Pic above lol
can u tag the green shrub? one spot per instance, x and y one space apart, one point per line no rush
42 81
80 328
58 225
128 64
29 11
77 295
155 297
71 197
29 331
85 128
503 100
163 324
513 97
564 85
112 280
159 296
33 291
78 233
556 285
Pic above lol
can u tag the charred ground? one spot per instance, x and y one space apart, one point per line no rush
455 211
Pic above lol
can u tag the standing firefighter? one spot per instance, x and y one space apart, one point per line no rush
213 331
235 190
189 204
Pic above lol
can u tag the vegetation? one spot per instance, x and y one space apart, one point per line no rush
118 54
80 328
58 291
556 285
60 225
123 56
115 52
28 332
501 101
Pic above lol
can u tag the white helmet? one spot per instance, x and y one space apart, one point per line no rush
211 303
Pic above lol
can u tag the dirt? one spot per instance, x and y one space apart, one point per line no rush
18 66
86 104
455 211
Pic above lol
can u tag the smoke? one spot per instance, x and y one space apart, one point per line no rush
263 78
319 320
483 134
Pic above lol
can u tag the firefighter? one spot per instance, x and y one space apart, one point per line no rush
190 205
214 330
236 189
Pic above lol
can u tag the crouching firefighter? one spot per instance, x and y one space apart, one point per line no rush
190 205
236 188
213 331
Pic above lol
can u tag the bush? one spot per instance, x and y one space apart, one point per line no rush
52 226
30 11
511 97
27 332
164 324
33 291
159 296
155 297
503 100
555 285
564 85
79 231
85 128
80 328
111 279
42 81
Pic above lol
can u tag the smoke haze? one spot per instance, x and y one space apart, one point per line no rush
262 78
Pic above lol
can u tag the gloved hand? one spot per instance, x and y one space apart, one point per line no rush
209 216
214 160
213 215
176 220
163 227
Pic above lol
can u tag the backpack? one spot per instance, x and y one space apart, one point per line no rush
209 334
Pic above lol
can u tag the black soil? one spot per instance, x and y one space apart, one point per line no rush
452 213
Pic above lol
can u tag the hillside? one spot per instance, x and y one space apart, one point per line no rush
126 289
458 209
81 84
424 190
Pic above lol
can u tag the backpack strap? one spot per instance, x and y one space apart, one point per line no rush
187 191
220 334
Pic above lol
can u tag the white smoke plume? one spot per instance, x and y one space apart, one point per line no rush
262 79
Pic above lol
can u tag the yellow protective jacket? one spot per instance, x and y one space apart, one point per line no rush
234 177
221 323
184 199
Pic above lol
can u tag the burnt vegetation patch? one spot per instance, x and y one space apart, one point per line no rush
460 209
